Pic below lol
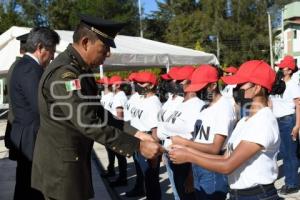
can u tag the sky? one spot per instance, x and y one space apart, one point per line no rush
148 5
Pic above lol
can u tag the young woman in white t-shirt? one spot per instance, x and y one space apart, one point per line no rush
250 159
214 124
175 98
144 119
180 121
286 109
116 107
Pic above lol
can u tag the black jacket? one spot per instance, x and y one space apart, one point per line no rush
23 95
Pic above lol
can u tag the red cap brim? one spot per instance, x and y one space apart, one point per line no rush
195 87
234 79
165 77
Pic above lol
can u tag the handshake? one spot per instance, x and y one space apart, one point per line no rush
149 146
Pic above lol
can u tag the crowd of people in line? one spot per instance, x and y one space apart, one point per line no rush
221 129
218 131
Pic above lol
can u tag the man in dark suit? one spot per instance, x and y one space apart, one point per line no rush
13 153
72 117
25 77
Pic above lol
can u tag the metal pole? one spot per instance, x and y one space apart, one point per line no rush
218 48
282 33
141 25
270 39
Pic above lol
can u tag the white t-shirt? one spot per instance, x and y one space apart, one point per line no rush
181 122
129 105
144 113
105 99
261 128
219 118
119 99
167 109
284 104
296 77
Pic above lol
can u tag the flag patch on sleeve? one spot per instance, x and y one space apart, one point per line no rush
73 85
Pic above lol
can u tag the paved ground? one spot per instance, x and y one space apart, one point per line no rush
102 190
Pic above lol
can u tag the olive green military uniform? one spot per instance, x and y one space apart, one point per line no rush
69 125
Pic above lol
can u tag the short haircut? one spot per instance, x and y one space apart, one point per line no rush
23 47
82 31
43 36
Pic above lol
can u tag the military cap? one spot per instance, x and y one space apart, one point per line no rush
22 38
105 29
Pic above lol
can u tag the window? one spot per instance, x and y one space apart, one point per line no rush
295 34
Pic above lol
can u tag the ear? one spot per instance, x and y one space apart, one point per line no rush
39 47
84 42
214 86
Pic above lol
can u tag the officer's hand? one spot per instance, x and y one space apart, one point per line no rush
144 136
150 149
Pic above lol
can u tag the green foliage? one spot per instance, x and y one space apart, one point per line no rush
8 17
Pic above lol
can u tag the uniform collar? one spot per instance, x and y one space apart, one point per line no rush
77 59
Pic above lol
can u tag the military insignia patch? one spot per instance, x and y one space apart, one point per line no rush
69 74
73 85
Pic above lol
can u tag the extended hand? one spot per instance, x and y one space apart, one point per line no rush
179 155
150 149
144 136
179 140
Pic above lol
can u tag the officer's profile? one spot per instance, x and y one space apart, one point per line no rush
61 163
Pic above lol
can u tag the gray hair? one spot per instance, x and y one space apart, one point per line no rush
41 37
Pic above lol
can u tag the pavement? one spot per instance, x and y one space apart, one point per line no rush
101 186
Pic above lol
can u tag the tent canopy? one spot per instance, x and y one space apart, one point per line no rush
131 52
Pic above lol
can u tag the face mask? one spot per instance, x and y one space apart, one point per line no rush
204 95
139 89
239 96
178 90
101 88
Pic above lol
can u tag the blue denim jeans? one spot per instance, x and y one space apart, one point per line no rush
209 185
170 175
264 195
151 176
288 150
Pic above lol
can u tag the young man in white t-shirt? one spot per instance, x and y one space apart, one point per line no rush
250 159
214 124
286 108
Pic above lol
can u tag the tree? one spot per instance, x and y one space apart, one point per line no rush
9 17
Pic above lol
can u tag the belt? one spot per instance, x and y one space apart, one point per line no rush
286 116
253 190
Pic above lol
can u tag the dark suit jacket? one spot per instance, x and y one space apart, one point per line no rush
10 117
24 101
70 123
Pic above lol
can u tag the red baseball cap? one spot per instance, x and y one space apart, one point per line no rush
131 76
103 80
231 69
115 80
287 61
171 71
203 75
254 71
145 77
183 73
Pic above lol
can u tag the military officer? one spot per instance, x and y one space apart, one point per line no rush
72 118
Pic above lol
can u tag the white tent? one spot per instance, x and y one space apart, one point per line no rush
131 52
